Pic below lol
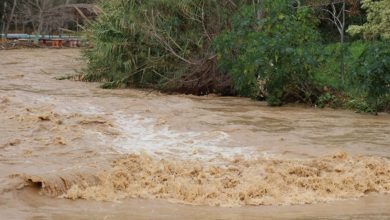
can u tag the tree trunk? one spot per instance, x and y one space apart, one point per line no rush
342 33
11 17
40 23
16 25
3 19
342 62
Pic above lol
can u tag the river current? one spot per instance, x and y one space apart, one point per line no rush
70 150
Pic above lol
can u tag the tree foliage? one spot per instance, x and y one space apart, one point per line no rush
378 20
273 54
164 44
372 72
270 49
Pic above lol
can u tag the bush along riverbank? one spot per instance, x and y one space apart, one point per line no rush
282 51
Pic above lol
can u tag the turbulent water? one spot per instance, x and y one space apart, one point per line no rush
69 150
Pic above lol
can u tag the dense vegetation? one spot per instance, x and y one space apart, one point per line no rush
159 44
271 56
278 50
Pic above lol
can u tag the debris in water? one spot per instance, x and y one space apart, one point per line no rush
59 141
5 100
89 121
14 142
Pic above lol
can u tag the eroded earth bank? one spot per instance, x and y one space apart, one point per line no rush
70 150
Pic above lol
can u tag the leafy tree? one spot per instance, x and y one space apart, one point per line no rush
372 73
378 20
276 50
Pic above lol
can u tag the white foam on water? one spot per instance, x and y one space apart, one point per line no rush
141 134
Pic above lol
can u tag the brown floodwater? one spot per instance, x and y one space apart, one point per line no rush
70 150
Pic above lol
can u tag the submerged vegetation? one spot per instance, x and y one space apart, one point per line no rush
278 50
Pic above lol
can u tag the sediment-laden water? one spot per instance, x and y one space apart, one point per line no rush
70 150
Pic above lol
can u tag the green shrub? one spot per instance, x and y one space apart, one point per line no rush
372 74
272 43
360 105
328 72
325 100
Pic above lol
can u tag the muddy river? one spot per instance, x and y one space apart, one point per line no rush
70 150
